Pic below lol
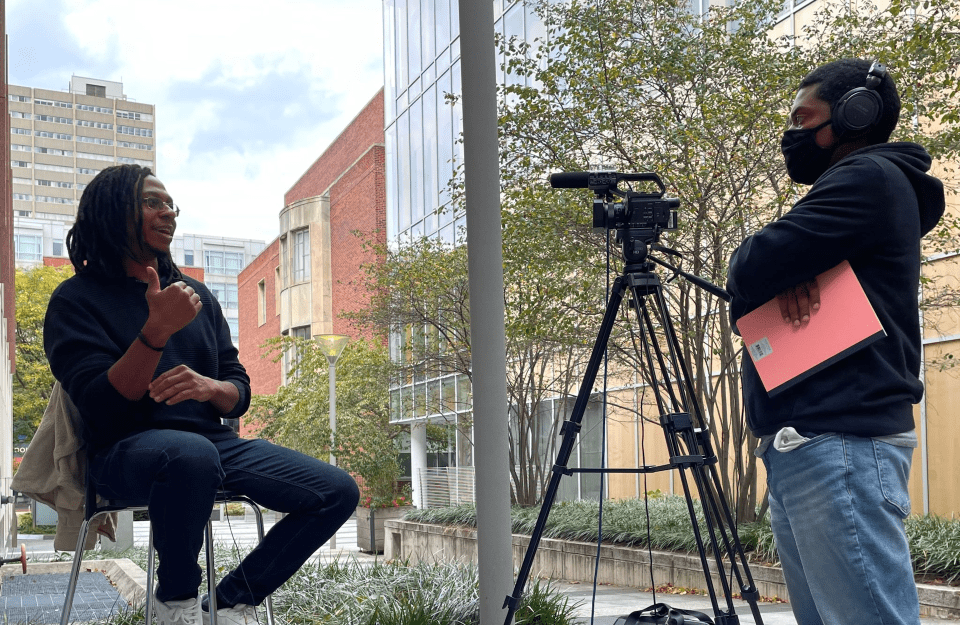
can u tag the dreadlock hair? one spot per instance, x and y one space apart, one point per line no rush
835 79
99 241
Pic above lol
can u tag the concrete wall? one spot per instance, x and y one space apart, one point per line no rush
621 566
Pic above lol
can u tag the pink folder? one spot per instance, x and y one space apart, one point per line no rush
784 354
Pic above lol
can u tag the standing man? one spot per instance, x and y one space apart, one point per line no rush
838 446
145 354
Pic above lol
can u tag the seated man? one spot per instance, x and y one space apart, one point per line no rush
145 354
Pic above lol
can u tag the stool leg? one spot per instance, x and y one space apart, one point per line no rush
151 575
75 572
268 602
211 574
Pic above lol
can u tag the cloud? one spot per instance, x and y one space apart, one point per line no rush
247 118
248 94
44 52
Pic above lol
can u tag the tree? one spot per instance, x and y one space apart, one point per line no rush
701 100
32 380
297 416
422 291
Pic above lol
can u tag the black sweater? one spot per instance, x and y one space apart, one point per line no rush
870 208
90 323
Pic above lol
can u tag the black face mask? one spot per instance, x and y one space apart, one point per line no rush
806 161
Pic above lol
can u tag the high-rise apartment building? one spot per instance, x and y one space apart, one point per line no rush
59 140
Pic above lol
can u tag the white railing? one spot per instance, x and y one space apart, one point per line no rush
447 486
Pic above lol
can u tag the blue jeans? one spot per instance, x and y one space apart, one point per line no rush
837 505
178 474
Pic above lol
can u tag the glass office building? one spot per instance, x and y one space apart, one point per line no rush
423 128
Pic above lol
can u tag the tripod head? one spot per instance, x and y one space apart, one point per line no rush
638 218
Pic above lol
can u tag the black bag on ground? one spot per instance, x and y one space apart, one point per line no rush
663 614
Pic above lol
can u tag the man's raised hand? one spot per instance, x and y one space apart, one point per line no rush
171 309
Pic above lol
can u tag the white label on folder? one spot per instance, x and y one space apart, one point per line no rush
760 349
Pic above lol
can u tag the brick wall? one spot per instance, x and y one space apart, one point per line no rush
264 374
357 205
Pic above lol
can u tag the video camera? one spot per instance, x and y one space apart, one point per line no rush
638 218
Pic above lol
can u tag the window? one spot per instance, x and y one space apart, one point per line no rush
290 355
98 91
261 302
135 146
28 246
133 161
55 183
53 135
87 170
19 115
55 151
55 200
60 168
16 147
26 197
21 164
89 124
222 263
188 258
225 292
145 117
95 109
133 130
58 247
96 157
54 119
276 288
22 180
65 105
19 131
19 98
96 140
301 255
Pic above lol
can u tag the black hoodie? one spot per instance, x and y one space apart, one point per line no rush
871 208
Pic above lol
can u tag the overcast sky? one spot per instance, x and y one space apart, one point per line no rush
248 94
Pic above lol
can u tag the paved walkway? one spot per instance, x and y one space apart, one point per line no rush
611 601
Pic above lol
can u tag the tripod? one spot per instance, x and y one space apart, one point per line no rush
687 438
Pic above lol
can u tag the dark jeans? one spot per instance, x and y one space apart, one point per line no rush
178 474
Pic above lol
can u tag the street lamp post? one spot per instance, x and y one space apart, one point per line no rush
332 345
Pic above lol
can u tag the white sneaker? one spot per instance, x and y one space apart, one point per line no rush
240 614
185 612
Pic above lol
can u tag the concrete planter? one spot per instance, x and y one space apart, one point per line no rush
620 566
370 524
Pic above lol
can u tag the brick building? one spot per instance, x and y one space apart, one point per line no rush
305 279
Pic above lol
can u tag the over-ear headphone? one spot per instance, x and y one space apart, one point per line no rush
860 109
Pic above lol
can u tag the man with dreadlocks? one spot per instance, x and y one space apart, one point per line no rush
145 354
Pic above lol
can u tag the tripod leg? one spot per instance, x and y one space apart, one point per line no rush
570 430
690 449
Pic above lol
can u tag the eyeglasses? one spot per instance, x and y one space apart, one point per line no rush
156 204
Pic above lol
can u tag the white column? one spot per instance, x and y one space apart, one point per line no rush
418 461
485 263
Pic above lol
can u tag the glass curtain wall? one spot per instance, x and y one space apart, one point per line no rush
423 151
